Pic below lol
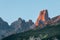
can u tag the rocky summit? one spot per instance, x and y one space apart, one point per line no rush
42 18
21 25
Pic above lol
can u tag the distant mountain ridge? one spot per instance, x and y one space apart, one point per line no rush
16 27
47 33
20 25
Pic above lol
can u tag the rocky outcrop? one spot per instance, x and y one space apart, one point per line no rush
4 28
20 25
16 27
42 18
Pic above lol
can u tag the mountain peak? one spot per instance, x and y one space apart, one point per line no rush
43 17
19 19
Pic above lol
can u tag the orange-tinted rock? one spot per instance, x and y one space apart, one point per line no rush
42 18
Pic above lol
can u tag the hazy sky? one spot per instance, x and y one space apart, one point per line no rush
11 10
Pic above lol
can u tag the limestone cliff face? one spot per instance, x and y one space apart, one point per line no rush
42 18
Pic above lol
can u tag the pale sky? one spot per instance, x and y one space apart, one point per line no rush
11 10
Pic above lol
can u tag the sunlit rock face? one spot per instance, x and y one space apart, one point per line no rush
42 18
